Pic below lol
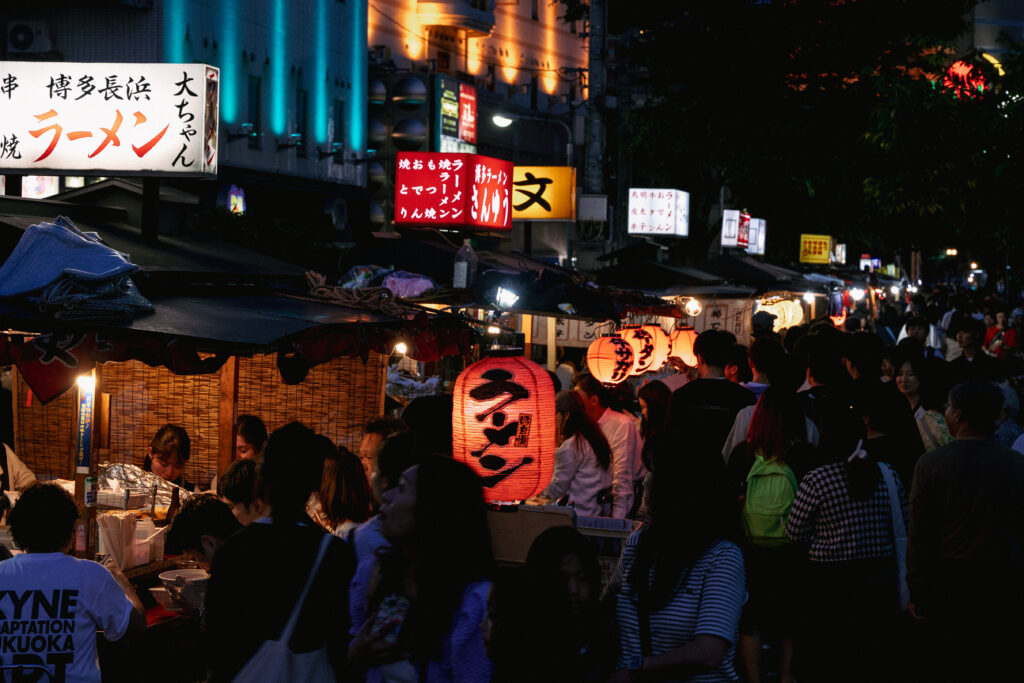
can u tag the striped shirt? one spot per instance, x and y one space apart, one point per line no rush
838 527
709 603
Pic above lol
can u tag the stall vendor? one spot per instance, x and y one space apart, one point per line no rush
14 476
167 454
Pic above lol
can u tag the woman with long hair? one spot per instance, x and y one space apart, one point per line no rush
654 398
680 578
764 469
420 602
843 515
916 381
545 620
345 494
582 461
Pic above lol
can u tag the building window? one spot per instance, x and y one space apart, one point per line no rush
338 123
533 91
491 77
572 26
255 112
535 9
301 120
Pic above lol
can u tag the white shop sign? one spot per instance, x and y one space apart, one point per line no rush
109 119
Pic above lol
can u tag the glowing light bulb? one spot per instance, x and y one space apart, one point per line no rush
693 308
856 293
401 348
809 297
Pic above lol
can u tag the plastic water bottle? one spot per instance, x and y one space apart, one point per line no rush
465 266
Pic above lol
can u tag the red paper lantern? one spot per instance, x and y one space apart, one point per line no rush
662 345
503 426
610 359
642 342
682 345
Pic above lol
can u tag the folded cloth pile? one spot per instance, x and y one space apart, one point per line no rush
72 274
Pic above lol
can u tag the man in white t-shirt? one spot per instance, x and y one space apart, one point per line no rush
52 604
627 467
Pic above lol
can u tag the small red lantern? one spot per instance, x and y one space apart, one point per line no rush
610 359
682 345
642 342
839 320
662 345
503 426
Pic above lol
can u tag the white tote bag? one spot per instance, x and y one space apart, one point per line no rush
899 534
274 662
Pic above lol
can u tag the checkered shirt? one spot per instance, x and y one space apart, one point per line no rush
837 527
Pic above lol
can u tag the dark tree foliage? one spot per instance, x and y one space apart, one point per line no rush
767 102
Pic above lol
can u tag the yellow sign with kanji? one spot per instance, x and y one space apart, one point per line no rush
543 193
815 248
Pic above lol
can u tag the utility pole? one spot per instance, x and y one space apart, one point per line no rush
593 176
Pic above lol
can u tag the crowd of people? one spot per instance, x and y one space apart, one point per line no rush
814 505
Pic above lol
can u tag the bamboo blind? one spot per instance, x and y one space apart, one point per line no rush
335 399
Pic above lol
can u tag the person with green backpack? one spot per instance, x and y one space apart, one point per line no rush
764 469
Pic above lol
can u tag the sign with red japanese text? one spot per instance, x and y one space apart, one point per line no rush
815 248
743 230
109 119
543 193
467 113
730 227
437 188
659 212
755 237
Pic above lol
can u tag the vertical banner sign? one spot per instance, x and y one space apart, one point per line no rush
86 391
543 193
467 113
109 119
659 212
762 236
752 232
815 248
439 188
743 233
449 108
730 227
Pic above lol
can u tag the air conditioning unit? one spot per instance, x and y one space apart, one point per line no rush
380 53
28 37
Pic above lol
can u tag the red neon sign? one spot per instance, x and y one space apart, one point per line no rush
441 188
467 113
743 236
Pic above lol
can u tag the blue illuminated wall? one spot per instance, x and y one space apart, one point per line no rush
318 46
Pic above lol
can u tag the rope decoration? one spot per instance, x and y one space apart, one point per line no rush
379 299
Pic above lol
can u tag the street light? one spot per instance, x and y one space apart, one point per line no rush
504 121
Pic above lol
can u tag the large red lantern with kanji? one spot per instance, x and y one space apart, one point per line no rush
682 345
610 359
503 426
662 345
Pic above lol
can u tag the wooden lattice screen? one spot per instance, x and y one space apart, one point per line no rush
335 399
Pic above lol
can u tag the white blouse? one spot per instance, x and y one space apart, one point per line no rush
578 473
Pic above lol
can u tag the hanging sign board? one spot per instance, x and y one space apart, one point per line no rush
730 227
109 119
543 193
815 248
439 188
659 212
743 232
755 238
